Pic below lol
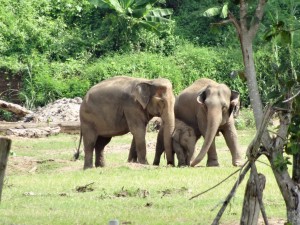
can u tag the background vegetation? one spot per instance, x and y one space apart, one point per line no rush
63 47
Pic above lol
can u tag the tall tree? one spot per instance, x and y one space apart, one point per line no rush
246 22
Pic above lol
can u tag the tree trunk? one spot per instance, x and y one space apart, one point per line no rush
5 144
251 79
296 168
251 206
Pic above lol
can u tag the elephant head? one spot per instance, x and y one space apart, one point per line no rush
219 103
157 98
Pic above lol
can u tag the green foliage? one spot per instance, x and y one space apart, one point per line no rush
6 116
245 120
196 28
293 146
281 163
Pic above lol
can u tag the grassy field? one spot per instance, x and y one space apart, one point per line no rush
44 186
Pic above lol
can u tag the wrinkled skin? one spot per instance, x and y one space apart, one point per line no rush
208 107
120 105
184 142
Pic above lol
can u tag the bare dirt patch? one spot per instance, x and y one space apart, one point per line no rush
21 164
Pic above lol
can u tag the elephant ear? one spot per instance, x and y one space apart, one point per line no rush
234 102
201 96
142 92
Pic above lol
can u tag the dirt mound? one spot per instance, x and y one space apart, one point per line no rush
61 110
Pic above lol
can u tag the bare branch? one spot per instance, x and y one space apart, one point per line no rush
232 20
259 192
231 194
235 22
291 98
243 15
222 22
261 135
203 192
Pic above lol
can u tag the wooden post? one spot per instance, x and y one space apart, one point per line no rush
251 206
5 144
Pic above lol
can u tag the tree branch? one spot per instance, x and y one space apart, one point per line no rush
235 22
259 192
257 18
291 98
231 194
203 192
243 16
232 20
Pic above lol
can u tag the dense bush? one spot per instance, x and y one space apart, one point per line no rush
46 81
64 47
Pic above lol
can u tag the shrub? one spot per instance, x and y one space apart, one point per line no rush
245 120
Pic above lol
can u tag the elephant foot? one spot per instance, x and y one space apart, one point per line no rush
212 163
170 163
87 166
132 160
100 164
156 162
144 161
238 163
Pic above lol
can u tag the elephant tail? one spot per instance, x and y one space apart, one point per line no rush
77 153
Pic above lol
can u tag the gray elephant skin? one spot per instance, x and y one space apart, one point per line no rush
184 142
208 108
120 105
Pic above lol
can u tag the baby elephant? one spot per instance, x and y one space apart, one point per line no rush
184 142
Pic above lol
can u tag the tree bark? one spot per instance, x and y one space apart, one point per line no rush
251 205
5 144
14 108
296 168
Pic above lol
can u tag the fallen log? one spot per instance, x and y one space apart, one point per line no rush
14 108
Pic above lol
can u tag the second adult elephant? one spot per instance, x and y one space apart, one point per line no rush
120 105
208 107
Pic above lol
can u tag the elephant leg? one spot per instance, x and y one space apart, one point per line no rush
159 149
230 135
132 157
191 145
140 143
180 153
89 141
212 156
99 149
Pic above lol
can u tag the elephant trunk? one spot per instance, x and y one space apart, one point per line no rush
168 119
211 131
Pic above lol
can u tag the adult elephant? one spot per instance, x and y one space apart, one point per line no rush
207 107
120 105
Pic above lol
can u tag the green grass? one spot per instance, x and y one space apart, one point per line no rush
131 193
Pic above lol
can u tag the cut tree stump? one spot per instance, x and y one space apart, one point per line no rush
5 144
14 108
251 207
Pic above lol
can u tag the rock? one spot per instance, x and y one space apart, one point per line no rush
34 132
